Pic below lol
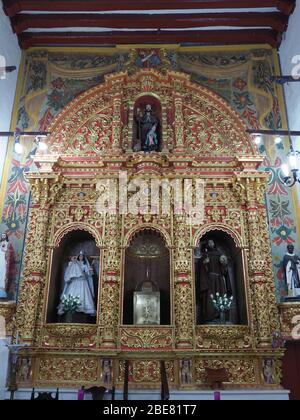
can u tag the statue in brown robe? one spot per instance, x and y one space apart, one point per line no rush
213 278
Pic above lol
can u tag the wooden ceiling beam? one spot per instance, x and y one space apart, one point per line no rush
13 7
213 37
276 21
286 6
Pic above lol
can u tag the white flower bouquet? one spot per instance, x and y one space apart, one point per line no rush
70 304
222 303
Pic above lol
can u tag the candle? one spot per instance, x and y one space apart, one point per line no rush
217 396
80 395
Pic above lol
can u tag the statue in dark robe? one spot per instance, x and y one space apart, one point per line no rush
291 264
147 130
213 277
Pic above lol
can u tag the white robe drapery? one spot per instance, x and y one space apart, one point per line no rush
293 290
79 282
3 268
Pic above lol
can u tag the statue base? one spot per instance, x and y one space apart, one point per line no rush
76 318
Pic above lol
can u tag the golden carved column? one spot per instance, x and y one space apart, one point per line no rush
266 314
44 192
183 288
179 124
116 126
110 293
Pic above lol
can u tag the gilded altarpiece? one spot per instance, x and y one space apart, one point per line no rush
202 138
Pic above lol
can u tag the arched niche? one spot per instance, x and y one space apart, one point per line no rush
147 115
211 277
71 245
147 268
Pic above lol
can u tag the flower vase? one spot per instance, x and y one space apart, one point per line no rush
69 317
223 318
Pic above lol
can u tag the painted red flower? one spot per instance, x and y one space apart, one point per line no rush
277 188
18 164
7 211
280 273
277 241
288 221
21 209
250 115
240 84
283 236
277 163
58 83
275 221
18 185
19 234
45 120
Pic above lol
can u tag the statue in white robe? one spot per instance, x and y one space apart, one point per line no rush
291 265
78 280
4 245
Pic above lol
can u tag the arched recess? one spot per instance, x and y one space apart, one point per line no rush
70 242
147 269
153 105
80 226
147 226
214 274
238 240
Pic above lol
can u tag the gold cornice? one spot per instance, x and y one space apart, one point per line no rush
177 47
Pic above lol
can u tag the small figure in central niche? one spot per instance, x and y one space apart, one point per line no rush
78 280
147 129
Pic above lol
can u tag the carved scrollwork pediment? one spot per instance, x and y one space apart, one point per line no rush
195 120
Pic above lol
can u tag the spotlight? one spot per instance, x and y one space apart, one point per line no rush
18 147
278 140
285 170
257 140
42 145
293 158
290 170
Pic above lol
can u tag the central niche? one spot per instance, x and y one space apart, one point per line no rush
147 125
147 280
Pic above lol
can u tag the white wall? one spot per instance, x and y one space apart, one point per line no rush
10 55
290 48
10 52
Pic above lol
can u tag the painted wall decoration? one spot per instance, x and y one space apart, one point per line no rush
53 78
